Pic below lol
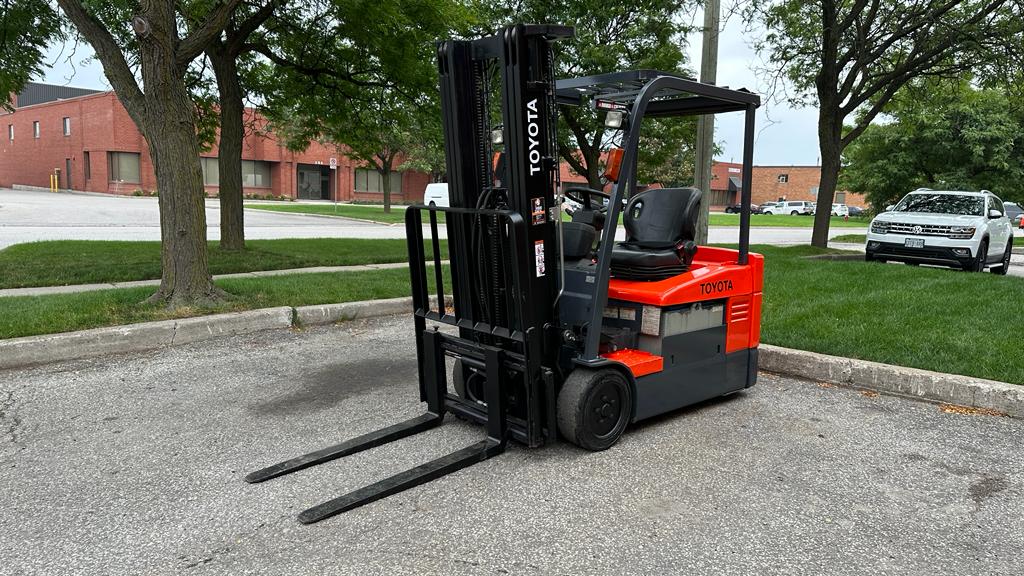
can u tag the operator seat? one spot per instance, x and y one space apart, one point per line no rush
661 224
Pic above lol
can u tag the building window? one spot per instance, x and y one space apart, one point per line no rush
840 197
124 167
35 129
814 191
66 124
211 171
371 181
783 178
86 165
10 132
255 174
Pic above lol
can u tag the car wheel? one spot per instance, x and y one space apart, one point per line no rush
1003 268
594 407
432 203
794 213
978 263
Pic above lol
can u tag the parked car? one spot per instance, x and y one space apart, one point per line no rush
840 210
737 208
436 194
1015 213
856 210
794 208
968 230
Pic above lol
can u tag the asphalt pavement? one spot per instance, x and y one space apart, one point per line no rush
133 464
27 216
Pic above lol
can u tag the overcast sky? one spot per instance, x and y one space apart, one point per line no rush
785 136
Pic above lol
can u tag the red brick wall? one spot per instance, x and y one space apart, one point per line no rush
100 124
802 183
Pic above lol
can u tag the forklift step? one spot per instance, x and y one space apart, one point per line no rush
404 480
358 444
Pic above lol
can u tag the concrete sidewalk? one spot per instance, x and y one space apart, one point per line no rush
47 290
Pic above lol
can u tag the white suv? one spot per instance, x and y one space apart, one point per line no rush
968 230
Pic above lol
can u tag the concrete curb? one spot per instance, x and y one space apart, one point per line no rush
18 352
909 382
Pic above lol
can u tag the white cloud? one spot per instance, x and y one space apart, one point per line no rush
785 135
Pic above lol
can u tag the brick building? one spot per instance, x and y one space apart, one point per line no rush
88 136
771 184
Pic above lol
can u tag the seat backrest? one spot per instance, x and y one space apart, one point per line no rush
662 216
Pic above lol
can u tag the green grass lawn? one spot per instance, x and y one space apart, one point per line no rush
31 315
929 318
851 238
361 211
783 221
65 262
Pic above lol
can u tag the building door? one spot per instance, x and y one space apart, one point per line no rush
313 182
67 170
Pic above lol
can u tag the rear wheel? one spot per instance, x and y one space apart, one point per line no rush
794 213
1004 267
594 407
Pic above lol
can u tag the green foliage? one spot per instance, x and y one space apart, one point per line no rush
943 135
611 36
27 27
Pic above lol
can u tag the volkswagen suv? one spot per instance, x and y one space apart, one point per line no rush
966 230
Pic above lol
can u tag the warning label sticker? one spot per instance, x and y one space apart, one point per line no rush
538 211
538 252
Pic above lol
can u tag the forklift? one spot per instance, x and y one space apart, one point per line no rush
553 328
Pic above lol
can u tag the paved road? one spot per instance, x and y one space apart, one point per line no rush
27 216
134 465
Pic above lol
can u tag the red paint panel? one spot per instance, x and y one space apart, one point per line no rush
755 327
739 312
640 363
714 275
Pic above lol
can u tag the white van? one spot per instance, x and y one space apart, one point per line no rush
436 194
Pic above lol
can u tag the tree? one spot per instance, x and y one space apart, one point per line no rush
224 54
165 114
610 36
26 28
943 135
851 57
367 83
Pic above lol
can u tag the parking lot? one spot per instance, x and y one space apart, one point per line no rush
27 216
134 465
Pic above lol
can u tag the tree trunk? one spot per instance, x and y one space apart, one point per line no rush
229 160
169 126
592 157
385 181
830 143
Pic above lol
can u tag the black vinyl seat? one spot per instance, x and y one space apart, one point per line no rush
661 224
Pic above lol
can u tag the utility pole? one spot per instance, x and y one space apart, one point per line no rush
706 124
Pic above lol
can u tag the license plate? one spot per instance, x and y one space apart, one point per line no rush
914 242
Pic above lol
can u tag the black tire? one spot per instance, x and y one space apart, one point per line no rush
1004 267
978 263
794 213
868 257
594 408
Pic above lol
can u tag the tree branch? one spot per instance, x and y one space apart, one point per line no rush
111 57
209 31
237 37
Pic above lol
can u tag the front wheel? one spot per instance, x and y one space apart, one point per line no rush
978 263
1004 267
794 213
594 407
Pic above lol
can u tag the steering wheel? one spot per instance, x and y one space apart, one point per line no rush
585 197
